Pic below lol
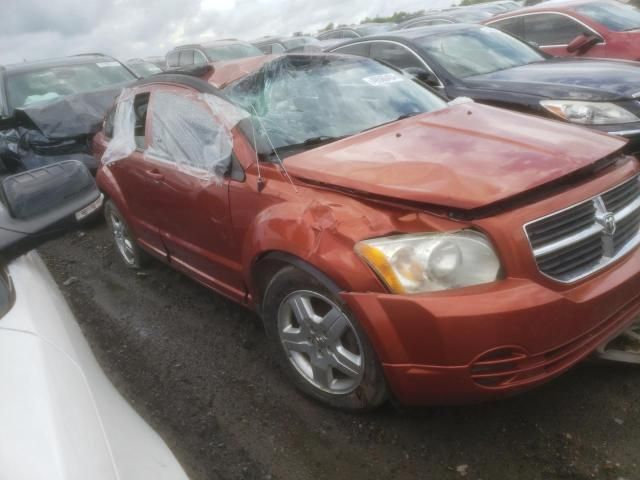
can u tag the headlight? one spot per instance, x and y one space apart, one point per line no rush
430 262
589 113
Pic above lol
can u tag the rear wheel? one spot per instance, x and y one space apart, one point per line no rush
128 250
320 344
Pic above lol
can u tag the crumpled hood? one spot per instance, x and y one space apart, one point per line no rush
67 117
464 157
48 132
580 79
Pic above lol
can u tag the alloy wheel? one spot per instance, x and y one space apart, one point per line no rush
320 342
122 238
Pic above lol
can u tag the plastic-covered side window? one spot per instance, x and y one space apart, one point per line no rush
123 142
108 123
194 131
190 129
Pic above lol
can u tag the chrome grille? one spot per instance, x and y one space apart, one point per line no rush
573 243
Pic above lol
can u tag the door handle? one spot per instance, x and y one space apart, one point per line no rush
155 174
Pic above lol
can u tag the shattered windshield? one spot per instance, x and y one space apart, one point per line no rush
477 51
300 98
52 83
232 52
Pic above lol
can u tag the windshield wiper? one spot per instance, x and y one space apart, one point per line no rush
397 119
324 139
407 115
631 29
313 141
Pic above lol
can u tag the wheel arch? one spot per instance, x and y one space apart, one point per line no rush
316 236
267 264
109 187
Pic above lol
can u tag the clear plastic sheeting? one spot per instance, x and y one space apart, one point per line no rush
299 99
194 131
191 130
23 149
123 142
71 116
225 112
50 132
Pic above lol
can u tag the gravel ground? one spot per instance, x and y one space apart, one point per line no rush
196 367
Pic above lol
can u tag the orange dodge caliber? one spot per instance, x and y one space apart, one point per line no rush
393 244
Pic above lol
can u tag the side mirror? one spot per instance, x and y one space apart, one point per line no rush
424 75
41 204
582 43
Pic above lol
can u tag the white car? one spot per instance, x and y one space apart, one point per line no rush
60 416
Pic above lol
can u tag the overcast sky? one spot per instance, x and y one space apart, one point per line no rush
36 29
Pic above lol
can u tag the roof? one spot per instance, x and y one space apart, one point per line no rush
213 43
555 5
230 71
267 39
409 34
370 24
354 27
429 16
58 62
420 32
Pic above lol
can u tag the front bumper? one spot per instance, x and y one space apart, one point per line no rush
490 341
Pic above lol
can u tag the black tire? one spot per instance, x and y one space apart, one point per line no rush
132 256
371 390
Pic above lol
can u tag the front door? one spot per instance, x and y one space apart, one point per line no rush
190 153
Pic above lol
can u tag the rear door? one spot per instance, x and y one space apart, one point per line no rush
191 154
135 177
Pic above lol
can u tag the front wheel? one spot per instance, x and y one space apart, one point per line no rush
319 343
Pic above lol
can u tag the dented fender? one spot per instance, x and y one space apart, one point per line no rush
321 228
314 233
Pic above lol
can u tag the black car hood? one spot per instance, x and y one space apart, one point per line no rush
71 116
577 79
